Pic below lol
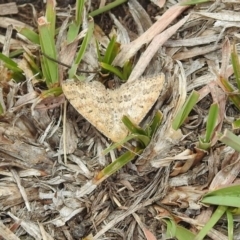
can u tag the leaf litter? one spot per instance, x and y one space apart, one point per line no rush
44 196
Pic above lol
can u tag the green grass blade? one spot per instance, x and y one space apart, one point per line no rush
10 63
111 69
1 110
236 65
33 65
236 124
107 7
82 49
231 201
193 2
29 34
98 52
211 122
16 53
144 140
210 224
230 224
186 109
118 164
79 11
233 190
227 196
203 145
154 125
235 98
51 16
171 227
50 68
118 144
184 234
112 50
44 70
174 230
230 139
127 69
72 33
55 91
133 128
75 26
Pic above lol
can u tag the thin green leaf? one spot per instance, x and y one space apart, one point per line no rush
230 201
236 65
75 26
184 234
127 69
18 77
230 139
48 47
203 145
174 230
233 190
186 109
119 163
233 95
16 53
111 69
1 109
112 50
72 33
33 65
133 128
171 227
17 73
143 139
227 196
79 11
107 7
210 224
51 16
29 34
55 91
236 124
211 122
118 144
82 49
10 63
230 224
193 2
154 125
98 52
44 70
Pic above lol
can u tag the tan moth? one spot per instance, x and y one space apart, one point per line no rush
104 108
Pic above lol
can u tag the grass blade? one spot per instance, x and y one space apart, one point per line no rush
107 7
210 224
82 49
74 27
111 69
29 34
51 16
211 122
184 112
117 164
236 65
50 68
230 139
